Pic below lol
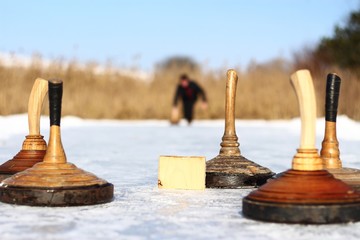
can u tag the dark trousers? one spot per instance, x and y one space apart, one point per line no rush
188 107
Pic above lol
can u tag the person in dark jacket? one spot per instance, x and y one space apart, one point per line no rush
189 91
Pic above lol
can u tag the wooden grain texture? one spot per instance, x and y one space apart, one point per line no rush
309 197
55 152
55 182
22 161
330 145
304 88
350 176
179 172
235 172
229 144
37 96
307 160
32 152
230 169
330 152
34 145
306 187
54 171
307 193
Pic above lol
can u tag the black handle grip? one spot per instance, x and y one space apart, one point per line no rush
332 96
55 97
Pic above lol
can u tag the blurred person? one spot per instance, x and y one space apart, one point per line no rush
188 90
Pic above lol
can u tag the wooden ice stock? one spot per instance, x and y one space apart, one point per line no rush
34 146
55 182
306 193
230 169
307 157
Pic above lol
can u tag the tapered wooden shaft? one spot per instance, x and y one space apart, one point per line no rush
307 157
229 144
37 96
330 145
55 152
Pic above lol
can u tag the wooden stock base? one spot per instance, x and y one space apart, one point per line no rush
55 184
33 151
350 176
23 160
235 172
308 197
57 197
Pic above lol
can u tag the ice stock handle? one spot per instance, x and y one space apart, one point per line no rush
333 82
55 98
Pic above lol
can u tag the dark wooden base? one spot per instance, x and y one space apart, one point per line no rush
57 197
301 213
235 172
309 197
225 180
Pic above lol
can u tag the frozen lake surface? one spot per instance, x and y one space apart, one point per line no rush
126 154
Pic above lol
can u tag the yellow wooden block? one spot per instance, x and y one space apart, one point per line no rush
178 172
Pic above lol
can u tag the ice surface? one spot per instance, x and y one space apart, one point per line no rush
126 154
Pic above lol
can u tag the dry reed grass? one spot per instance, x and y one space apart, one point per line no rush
263 91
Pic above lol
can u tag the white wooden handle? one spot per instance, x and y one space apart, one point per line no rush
37 95
303 85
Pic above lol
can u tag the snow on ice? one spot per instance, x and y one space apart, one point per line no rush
126 153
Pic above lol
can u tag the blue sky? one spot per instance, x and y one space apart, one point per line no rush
218 33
